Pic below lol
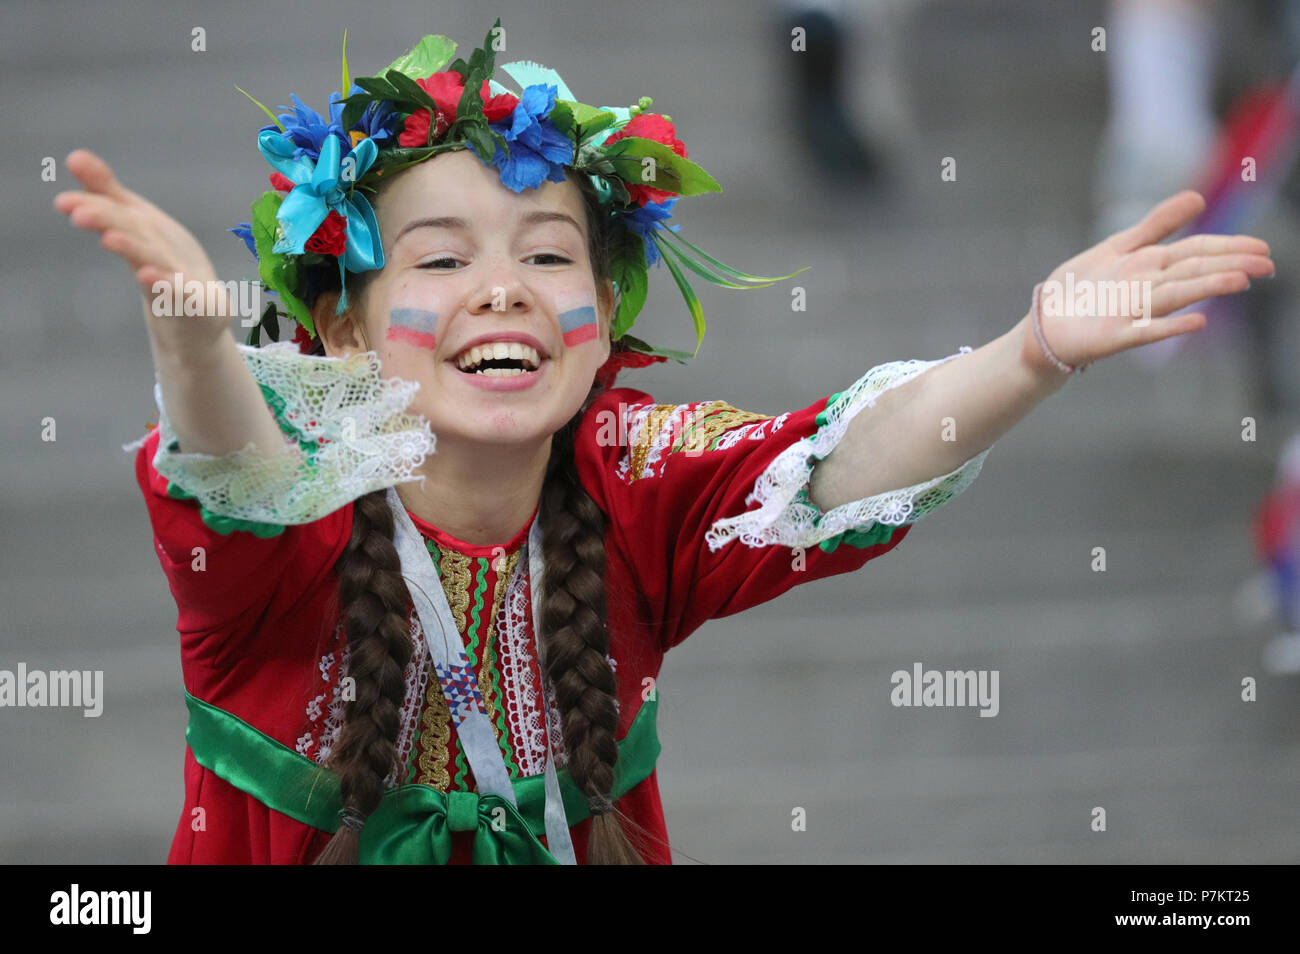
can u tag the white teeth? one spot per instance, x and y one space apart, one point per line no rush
498 350
501 372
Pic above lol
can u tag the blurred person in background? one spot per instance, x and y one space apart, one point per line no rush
848 46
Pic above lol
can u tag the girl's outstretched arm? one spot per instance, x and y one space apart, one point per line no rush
934 422
213 402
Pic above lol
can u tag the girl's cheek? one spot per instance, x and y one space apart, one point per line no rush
576 311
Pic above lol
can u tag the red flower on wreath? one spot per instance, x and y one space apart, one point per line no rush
415 130
618 360
446 89
655 127
303 340
332 236
281 183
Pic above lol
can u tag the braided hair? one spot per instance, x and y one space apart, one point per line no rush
374 604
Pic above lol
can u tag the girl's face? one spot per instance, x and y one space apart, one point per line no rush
470 263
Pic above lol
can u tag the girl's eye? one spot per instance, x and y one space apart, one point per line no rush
433 262
558 258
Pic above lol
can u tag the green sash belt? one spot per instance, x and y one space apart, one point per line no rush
413 823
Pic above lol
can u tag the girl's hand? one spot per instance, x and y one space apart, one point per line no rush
214 403
153 244
1186 271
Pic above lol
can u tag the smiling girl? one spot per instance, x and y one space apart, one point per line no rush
396 652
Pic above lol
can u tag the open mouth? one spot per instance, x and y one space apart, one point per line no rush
499 359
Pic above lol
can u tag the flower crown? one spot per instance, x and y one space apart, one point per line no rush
419 107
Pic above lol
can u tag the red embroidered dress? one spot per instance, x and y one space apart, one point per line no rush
258 605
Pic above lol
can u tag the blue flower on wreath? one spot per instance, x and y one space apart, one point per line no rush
380 120
538 151
307 129
645 220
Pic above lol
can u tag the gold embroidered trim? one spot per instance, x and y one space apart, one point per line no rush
710 422
435 733
454 570
646 434
692 431
435 721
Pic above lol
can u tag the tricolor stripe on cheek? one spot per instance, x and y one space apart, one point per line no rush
414 326
578 325
577 314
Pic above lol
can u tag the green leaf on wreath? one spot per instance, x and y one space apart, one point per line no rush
636 344
628 269
592 119
410 89
691 179
561 117
276 270
427 57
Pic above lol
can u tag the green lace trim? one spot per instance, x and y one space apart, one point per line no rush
874 535
223 525
492 661
824 415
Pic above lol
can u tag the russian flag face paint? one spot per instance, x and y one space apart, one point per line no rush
577 314
414 326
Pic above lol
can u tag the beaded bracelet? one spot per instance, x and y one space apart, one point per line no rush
1038 332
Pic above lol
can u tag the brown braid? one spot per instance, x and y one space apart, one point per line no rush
374 599
575 640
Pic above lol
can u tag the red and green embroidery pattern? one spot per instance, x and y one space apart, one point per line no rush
475 638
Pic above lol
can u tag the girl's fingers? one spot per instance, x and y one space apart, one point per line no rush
1128 334
65 202
1161 222
1196 266
96 213
1162 328
1171 296
95 174
1211 245
119 227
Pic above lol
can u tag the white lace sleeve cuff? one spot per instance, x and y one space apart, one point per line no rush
346 434
788 517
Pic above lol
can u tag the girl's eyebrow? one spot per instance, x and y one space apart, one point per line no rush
455 222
